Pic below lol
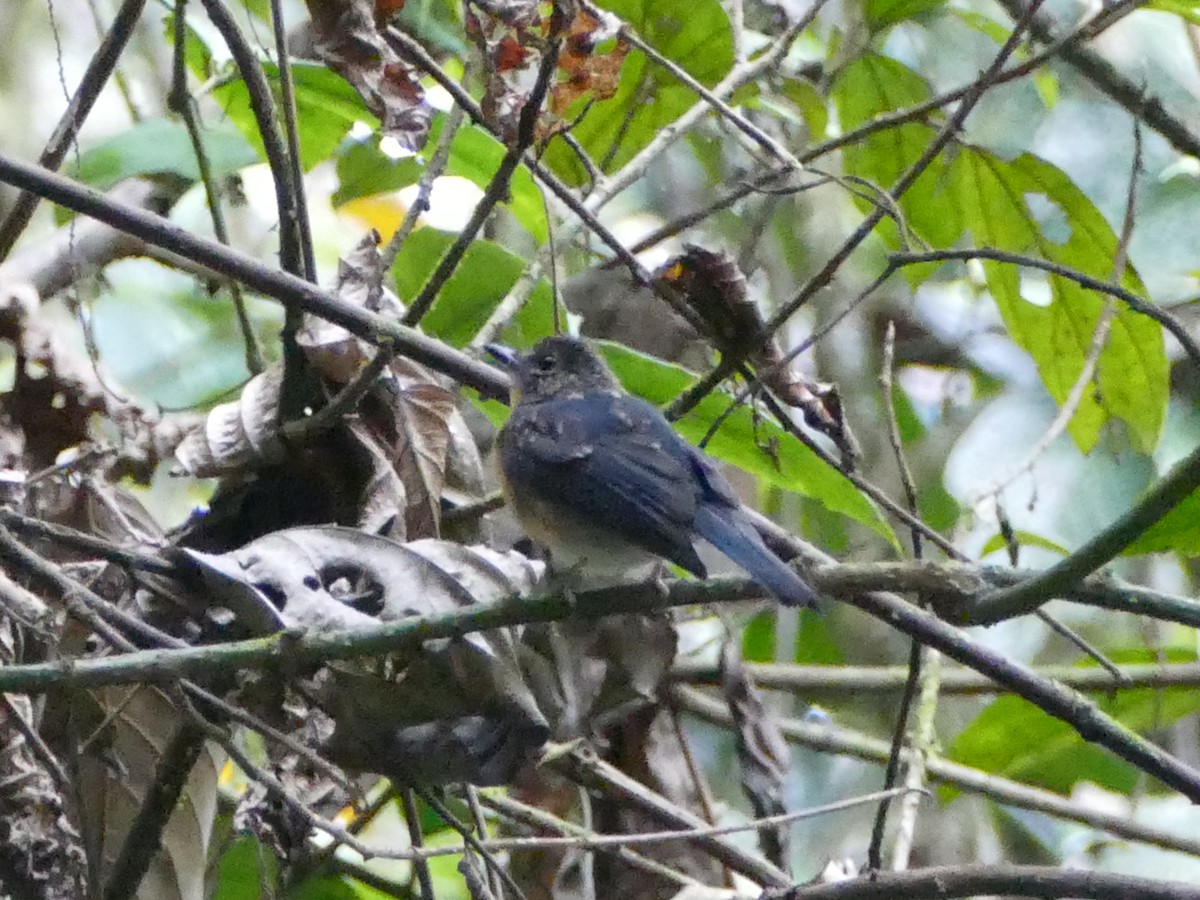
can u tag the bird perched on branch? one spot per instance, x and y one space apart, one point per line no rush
602 479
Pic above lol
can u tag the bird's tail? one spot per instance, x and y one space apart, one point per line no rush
731 533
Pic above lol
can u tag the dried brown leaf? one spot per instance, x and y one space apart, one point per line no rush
763 752
715 287
348 40
582 71
118 772
237 433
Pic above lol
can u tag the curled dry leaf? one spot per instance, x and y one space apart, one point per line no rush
409 415
237 433
763 752
716 289
384 497
330 349
349 41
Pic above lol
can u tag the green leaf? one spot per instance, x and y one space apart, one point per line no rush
875 84
1131 380
1025 539
162 147
365 170
169 343
815 645
335 887
696 35
240 874
741 438
1176 532
1185 9
881 14
1013 738
326 109
483 278
758 638
196 54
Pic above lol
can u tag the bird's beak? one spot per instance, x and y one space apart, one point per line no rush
506 356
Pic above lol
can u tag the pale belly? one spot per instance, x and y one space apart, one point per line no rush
598 558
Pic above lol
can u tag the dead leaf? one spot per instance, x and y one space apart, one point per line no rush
763 752
583 72
237 433
714 286
349 42
512 38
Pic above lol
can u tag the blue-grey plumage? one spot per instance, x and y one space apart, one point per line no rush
602 479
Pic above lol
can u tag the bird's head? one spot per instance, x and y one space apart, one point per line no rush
557 367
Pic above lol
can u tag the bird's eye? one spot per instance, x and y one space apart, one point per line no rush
546 364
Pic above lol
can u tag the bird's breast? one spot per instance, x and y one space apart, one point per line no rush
600 557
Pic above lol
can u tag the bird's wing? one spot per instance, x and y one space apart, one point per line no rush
614 461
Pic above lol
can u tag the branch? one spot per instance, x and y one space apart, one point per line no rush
55 261
283 287
94 78
1138 304
944 882
1116 86
1031 593
865 680
827 738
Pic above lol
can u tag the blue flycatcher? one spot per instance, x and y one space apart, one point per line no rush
601 479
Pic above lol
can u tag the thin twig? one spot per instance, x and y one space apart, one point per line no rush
828 738
100 67
412 818
947 882
182 102
497 188
262 104
420 204
291 131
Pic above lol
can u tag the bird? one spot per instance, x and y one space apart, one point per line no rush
599 477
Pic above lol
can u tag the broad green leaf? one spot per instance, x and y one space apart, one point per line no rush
1013 738
875 84
365 170
167 342
881 14
696 35
797 101
326 109
162 147
741 438
483 278
815 645
1131 378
